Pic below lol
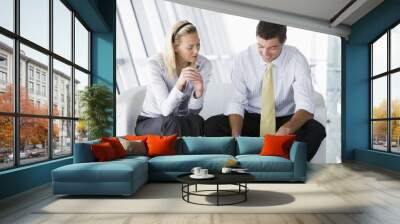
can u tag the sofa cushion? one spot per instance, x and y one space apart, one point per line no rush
257 163
277 145
161 145
134 147
116 145
83 152
111 171
185 163
249 145
103 151
207 145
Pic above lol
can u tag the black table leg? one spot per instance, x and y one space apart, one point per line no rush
245 193
217 194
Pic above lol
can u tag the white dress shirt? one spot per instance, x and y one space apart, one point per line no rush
292 82
163 98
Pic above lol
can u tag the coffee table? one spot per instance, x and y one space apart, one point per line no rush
238 179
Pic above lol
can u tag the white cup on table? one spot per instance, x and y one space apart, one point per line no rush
203 172
196 170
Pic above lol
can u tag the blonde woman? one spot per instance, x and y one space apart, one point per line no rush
177 80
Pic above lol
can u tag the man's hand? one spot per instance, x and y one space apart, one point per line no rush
284 131
298 119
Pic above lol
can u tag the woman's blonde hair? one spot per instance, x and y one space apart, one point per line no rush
179 29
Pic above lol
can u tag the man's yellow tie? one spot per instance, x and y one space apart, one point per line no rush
267 121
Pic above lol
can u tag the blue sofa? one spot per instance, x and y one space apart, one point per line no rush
125 176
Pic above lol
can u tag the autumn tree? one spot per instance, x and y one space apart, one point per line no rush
33 131
380 127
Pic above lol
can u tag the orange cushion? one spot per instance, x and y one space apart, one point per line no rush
136 137
161 145
277 145
116 145
103 151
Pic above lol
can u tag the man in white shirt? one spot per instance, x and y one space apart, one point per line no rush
292 91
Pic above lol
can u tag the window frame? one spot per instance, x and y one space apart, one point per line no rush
388 74
15 71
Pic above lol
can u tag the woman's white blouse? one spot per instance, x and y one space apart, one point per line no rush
163 99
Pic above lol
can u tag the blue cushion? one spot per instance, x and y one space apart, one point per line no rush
249 145
185 163
207 145
257 163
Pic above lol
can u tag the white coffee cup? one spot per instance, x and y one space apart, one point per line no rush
226 170
203 172
196 170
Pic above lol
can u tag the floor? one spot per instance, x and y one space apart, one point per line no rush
378 188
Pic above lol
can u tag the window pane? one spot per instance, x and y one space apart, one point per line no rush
7 14
395 95
81 131
395 138
379 97
379 55
35 21
62 133
6 74
81 81
81 45
62 89
34 80
395 47
62 29
379 135
6 142
33 139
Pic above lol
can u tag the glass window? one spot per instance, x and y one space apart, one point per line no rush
62 72
81 45
33 140
40 62
81 131
379 135
37 89
62 29
7 14
395 95
3 78
30 87
395 47
6 142
382 138
43 90
81 81
3 61
35 21
379 98
6 73
62 138
395 138
379 55
30 72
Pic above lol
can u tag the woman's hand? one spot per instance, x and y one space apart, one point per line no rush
191 74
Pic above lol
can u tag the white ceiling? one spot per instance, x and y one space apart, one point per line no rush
316 15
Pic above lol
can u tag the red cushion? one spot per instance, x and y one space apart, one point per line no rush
161 145
116 145
277 145
103 151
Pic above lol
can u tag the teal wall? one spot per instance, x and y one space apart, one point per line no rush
356 85
99 16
